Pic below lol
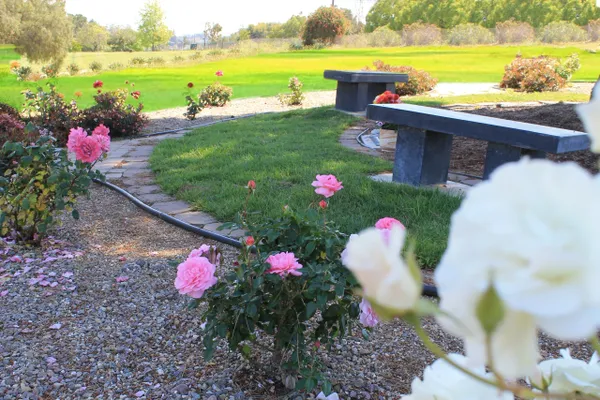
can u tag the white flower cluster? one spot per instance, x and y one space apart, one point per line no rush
523 255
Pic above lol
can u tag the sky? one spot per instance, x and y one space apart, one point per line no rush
189 17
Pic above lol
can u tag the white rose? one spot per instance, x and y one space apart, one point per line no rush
533 229
568 374
374 258
441 381
590 116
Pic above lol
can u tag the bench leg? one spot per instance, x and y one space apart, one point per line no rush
499 154
422 157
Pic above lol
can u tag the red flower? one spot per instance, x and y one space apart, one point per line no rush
98 84
387 97
136 95
99 91
323 204
251 185
190 85
317 344
249 241
219 73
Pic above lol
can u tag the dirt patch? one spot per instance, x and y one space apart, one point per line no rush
468 155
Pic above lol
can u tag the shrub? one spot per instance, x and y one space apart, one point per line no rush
593 29
23 72
568 66
318 46
215 53
354 41
193 108
470 34
112 111
196 56
296 97
36 76
116 66
51 70
12 129
138 61
514 32
562 32
297 314
178 59
48 110
419 34
10 110
96 66
156 61
73 69
215 95
325 25
38 180
296 45
533 75
384 37
419 81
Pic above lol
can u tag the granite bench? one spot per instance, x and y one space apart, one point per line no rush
357 89
425 140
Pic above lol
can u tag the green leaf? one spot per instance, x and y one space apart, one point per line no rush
310 384
311 309
490 310
251 310
326 388
25 204
193 304
75 214
310 247
246 351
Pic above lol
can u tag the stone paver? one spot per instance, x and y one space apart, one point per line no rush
155 198
173 207
144 189
197 218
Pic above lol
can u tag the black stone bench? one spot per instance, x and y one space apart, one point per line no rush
357 89
425 140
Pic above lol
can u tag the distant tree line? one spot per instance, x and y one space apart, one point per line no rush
450 13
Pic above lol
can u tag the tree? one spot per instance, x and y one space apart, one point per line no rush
292 28
325 24
356 26
212 32
10 20
93 37
45 31
153 32
123 39
79 22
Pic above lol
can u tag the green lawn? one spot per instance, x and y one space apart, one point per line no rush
267 74
210 167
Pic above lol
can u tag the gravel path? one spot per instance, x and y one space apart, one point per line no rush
78 333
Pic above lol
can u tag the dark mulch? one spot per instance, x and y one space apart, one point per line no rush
468 155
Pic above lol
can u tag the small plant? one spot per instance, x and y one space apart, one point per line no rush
22 72
296 45
193 108
96 66
538 74
112 110
51 71
387 97
296 97
156 61
318 46
293 290
419 81
215 53
196 56
116 66
12 129
215 95
178 59
568 66
419 34
470 34
47 109
136 61
73 69
38 180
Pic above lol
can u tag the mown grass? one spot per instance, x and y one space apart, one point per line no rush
268 74
283 152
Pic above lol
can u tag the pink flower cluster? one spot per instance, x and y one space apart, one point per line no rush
388 223
197 274
327 185
89 149
284 264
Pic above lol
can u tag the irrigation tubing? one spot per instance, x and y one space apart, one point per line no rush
428 290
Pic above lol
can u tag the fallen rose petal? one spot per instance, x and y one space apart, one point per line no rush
56 326
122 279
16 259
154 253
122 259
3 293
44 283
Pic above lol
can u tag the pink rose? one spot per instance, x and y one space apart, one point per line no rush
75 137
323 204
104 142
388 223
327 185
219 73
283 264
249 241
367 316
88 150
101 130
194 276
